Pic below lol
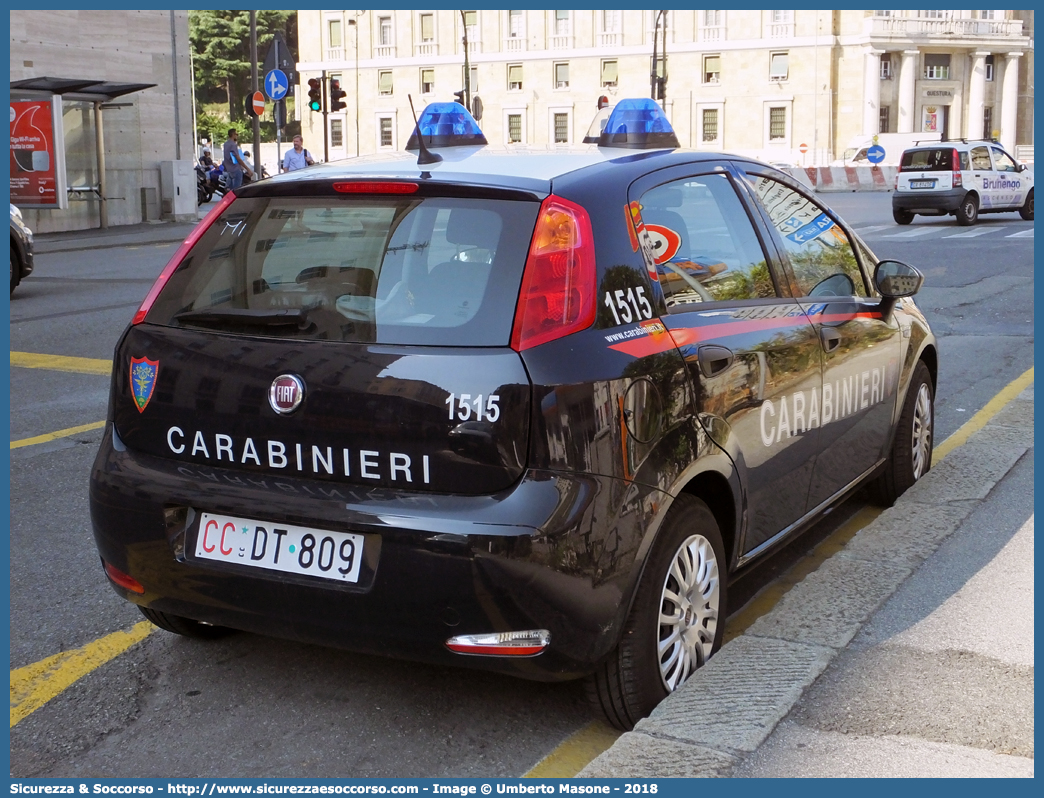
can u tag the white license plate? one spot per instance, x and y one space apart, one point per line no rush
922 184
280 547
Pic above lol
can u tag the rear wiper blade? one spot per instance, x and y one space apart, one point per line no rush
244 317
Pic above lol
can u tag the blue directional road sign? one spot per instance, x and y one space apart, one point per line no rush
875 154
276 84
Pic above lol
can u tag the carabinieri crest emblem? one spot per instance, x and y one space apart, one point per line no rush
142 380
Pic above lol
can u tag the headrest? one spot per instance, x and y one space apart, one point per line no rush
474 227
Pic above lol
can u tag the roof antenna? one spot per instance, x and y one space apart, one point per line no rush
426 156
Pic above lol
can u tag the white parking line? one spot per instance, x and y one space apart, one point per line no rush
920 231
1022 234
975 233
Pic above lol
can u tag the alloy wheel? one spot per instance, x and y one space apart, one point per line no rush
689 608
922 432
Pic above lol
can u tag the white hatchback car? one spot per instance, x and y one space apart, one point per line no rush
962 179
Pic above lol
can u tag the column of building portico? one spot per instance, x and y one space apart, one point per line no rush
908 91
872 93
1009 101
976 96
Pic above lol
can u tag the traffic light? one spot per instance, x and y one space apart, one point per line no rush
460 96
315 94
335 95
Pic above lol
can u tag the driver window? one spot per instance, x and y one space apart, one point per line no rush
821 256
1002 161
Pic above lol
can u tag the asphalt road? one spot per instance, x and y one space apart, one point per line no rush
252 706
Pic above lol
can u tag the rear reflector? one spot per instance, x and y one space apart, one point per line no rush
502 644
558 285
178 256
122 579
371 187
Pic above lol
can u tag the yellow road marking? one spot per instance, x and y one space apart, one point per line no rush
78 365
978 421
53 436
577 751
36 684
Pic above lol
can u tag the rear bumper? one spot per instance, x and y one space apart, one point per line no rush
551 553
929 202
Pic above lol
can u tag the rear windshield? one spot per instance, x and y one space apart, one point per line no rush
934 160
402 269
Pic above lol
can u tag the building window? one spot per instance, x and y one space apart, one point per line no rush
779 66
886 66
514 73
882 13
611 21
661 66
782 17
427 81
386 132
937 66
562 76
474 78
516 30
561 23
987 14
336 133
935 14
384 82
710 125
335 32
989 67
514 128
609 73
471 24
561 128
712 19
712 69
987 122
777 124
385 28
427 27
882 126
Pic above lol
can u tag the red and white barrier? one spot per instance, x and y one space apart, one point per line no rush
845 178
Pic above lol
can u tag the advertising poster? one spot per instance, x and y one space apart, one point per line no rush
37 156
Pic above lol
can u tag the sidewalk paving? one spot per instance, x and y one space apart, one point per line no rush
123 236
910 653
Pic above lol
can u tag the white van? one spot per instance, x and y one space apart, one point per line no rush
894 144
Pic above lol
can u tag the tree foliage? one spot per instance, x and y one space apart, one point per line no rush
220 42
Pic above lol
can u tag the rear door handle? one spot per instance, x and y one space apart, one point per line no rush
830 337
714 359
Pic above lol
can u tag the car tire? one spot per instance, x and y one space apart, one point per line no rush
968 210
911 455
901 216
645 665
1026 211
16 268
186 627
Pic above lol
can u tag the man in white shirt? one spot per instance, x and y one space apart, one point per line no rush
297 158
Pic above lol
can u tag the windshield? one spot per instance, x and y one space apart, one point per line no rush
402 269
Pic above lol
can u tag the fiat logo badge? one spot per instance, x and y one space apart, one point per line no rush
286 393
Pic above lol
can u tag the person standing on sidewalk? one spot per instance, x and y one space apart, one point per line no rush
297 158
233 161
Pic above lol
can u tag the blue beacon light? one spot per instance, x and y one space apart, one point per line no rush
446 125
638 124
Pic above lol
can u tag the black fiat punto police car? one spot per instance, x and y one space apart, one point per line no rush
525 410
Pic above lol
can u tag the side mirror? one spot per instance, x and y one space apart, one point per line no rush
894 280
1020 167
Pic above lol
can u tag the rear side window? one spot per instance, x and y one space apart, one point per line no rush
402 269
938 159
704 244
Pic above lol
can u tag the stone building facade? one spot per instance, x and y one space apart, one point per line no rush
762 83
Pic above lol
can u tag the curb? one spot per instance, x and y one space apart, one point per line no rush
97 239
728 708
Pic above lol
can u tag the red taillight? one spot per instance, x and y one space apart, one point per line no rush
176 259
372 187
957 181
123 580
558 286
